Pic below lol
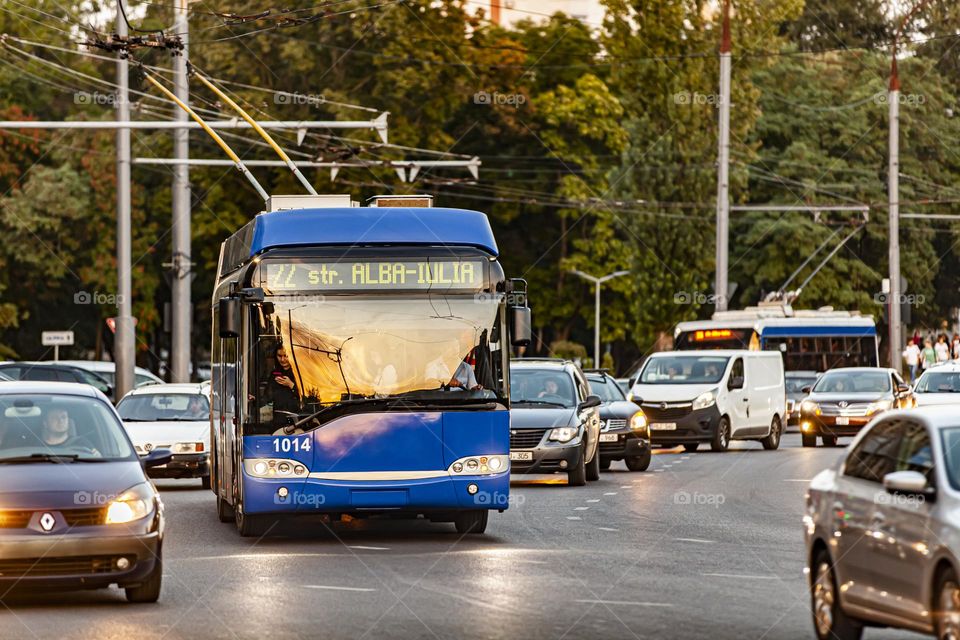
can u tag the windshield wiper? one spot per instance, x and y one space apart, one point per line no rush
543 402
59 458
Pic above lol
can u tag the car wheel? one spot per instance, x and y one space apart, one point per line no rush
829 620
947 606
577 477
772 441
808 440
829 441
472 521
639 463
149 589
593 467
605 463
205 482
690 447
721 439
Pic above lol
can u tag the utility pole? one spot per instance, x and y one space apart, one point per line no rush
721 285
596 318
125 339
181 265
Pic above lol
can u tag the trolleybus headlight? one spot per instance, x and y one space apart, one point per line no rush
495 463
472 464
260 468
274 468
457 467
479 465
283 468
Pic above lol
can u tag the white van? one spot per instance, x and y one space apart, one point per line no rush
712 396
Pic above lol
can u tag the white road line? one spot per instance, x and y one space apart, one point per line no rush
330 588
574 518
363 548
580 508
740 576
697 540
610 493
607 529
594 500
625 486
626 603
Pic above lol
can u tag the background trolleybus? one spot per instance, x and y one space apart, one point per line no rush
360 365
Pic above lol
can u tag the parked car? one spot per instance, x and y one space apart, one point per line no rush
691 397
938 385
623 426
65 522
55 372
882 529
174 417
554 420
796 383
844 400
107 371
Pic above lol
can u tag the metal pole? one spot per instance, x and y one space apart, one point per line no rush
721 285
125 341
180 351
596 327
893 195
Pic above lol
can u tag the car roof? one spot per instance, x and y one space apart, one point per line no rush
541 363
718 352
101 365
935 416
194 388
860 369
49 388
951 366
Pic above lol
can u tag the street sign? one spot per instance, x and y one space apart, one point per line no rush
57 338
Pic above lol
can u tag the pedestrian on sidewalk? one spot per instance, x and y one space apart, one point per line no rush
942 349
929 355
911 355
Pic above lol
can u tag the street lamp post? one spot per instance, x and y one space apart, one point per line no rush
596 321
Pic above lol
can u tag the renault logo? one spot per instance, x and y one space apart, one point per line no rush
47 522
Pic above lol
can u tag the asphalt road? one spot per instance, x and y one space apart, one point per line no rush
702 545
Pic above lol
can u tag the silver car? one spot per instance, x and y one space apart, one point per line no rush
882 529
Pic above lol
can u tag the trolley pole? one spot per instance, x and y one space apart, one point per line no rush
125 339
181 264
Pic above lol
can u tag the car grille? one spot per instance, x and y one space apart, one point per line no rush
526 438
656 412
67 566
85 517
614 423
852 409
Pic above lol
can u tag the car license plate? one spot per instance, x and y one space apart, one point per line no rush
521 456
843 420
663 426
608 437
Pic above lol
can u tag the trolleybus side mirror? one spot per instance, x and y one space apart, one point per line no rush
521 328
229 310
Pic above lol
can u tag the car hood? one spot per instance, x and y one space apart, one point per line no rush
527 418
71 485
620 409
168 432
849 397
931 399
670 392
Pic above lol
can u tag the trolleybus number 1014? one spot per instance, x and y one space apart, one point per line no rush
286 445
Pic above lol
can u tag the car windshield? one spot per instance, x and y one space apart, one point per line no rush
853 382
60 426
606 388
939 382
158 407
542 386
795 384
951 455
683 369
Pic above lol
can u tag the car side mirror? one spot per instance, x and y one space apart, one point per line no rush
807 389
909 483
156 458
590 402
229 310
736 382
903 388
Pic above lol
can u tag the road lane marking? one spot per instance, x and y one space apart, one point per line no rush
332 588
364 548
594 500
607 529
626 603
574 518
625 486
697 540
740 576
610 493
580 508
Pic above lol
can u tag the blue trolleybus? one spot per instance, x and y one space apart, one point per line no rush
360 365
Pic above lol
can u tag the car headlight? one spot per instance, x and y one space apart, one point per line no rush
187 447
639 421
564 434
479 465
133 504
706 399
808 406
274 468
880 405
